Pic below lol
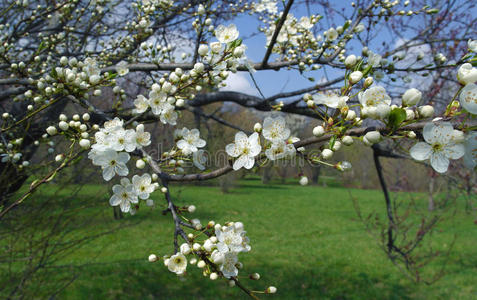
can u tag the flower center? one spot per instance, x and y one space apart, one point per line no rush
436 147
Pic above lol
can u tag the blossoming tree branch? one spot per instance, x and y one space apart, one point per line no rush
80 53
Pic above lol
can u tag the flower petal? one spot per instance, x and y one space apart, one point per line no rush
240 162
420 151
438 132
454 151
439 162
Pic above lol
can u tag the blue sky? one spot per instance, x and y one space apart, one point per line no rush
272 82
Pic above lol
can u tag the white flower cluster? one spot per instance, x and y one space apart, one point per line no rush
110 152
127 193
111 142
269 6
220 249
160 101
167 94
275 131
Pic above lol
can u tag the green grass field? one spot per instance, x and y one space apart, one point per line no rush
306 241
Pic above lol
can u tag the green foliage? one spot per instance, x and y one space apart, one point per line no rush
396 117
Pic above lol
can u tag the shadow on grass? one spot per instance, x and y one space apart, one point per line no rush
142 280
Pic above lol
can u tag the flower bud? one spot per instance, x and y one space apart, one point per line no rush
213 276
318 131
257 127
336 146
180 103
215 47
196 247
203 49
185 249
140 164
63 125
350 61
426 111
327 154
355 77
409 114
152 258
347 140
373 137
84 143
467 74
51 130
303 180
411 97
255 276
368 82
271 290
191 208
351 115
201 264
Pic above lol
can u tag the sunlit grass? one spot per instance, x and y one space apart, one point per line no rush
306 241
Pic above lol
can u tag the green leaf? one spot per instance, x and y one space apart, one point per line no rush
396 117
332 141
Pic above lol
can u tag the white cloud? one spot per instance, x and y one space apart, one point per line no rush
239 82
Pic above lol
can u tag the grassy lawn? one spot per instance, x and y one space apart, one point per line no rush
306 241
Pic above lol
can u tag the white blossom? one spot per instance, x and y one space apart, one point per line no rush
169 115
331 34
227 262
158 102
177 263
124 195
122 68
467 74
199 159
143 138
226 34
190 141
122 139
350 60
267 5
439 146
143 185
185 249
374 59
274 129
472 44
111 162
232 238
355 76
245 149
279 150
468 98
374 96
141 103
331 100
